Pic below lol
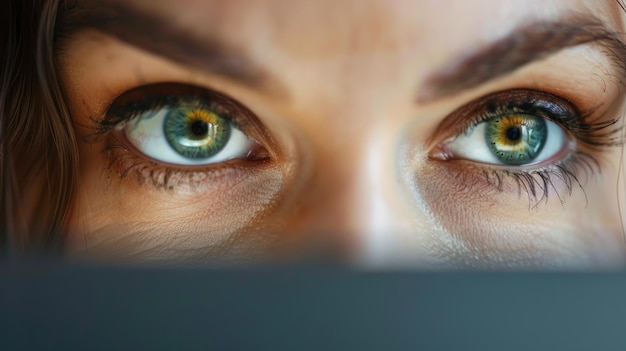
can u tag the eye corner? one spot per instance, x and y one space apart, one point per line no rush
440 152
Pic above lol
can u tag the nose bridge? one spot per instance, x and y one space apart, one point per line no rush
349 121
351 202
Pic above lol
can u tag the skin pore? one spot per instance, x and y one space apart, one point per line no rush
353 108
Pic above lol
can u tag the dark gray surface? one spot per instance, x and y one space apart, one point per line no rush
51 306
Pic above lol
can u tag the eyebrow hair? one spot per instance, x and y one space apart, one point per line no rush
529 43
155 34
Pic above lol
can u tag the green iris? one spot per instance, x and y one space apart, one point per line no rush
196 133
516 139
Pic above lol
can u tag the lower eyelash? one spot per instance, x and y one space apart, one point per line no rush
124 163
571 172
218 177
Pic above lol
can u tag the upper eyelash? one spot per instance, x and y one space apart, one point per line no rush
594 133
160 95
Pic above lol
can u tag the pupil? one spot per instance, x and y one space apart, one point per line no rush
513 133
199 128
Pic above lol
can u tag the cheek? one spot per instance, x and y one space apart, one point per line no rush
124 218
489 226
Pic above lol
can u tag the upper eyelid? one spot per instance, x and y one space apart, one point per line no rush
159 95
473 111
586 126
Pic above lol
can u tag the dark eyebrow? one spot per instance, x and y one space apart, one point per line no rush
528 43
155 34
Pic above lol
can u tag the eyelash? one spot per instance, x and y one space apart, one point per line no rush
594 134
174 95
588 132
155 97
537 183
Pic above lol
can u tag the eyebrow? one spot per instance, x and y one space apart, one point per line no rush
529 43
156 34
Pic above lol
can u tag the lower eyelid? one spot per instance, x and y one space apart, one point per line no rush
569 171
124 164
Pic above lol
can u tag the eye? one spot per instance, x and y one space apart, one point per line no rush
186 130
511 139
516 128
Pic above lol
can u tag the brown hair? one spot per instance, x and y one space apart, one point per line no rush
39 156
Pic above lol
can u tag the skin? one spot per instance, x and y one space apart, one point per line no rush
352 126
